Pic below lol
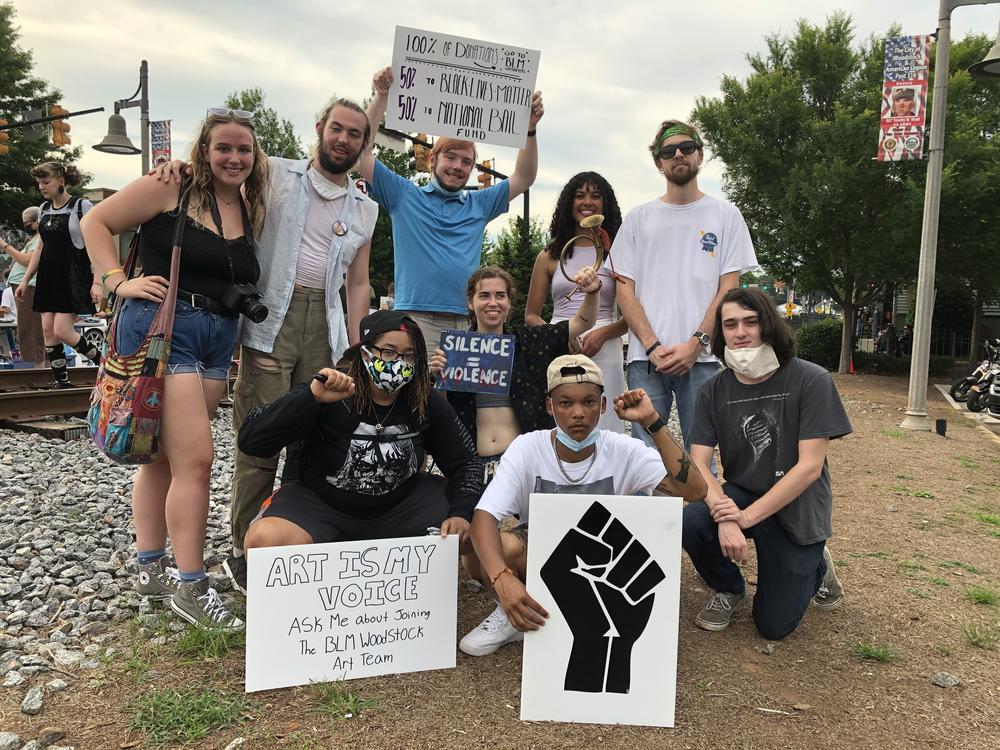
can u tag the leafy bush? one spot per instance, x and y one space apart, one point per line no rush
820 343
887 364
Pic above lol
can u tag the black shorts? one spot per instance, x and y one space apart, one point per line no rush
425 506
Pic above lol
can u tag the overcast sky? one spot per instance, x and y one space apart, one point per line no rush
609 71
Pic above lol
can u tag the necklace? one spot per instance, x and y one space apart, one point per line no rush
381 419
562 469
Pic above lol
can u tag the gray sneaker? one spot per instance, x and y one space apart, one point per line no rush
202 606
830 593
157 581
718 613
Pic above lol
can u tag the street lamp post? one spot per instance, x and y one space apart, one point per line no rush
916 408
117 141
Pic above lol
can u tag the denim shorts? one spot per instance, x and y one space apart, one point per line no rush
202 342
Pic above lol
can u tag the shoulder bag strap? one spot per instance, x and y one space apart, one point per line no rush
164 320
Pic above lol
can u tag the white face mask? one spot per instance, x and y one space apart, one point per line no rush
755 362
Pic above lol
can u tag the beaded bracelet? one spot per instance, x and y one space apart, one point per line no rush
493 581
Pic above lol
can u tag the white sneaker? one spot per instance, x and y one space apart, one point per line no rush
492 633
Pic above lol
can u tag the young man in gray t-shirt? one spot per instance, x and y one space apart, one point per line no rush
772 416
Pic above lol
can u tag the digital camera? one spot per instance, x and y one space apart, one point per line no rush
244 299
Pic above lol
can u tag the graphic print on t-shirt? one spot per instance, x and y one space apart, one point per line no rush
374 467
760 430
604 486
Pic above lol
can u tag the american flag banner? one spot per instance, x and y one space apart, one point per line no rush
904 98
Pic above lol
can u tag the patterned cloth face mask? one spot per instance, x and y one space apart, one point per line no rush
388 376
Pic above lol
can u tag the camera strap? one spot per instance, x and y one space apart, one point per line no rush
247 232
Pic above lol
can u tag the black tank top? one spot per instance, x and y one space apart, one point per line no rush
205 256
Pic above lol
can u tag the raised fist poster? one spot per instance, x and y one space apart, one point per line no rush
607 570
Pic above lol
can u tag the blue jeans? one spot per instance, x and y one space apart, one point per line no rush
788 574
662 390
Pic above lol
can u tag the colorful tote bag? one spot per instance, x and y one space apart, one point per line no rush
127 401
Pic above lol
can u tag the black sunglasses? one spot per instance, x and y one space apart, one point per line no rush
686 147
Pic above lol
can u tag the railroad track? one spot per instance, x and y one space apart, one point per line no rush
21 397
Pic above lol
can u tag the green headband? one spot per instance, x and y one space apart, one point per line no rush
677 130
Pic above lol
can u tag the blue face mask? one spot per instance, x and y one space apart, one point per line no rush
441 189
577 445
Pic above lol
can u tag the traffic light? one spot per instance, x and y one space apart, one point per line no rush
60 128
485 178
4 137
421 155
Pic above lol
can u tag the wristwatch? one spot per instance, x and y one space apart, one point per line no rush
656 426
703 338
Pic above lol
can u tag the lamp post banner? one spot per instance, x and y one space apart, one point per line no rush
904 98
159 134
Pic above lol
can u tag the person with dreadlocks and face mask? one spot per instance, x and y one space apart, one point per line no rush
357 440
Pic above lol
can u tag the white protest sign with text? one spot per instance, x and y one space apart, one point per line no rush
607 568
461 88
323 612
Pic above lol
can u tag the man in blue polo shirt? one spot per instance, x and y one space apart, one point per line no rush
437 229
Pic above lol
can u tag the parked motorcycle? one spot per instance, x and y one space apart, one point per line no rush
979 394
960 390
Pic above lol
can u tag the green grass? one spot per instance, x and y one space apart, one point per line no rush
918 593
177 716
208 645
980 595
950 564
991 518
704 684
874 652
876 555
904 490
898 434
981 636
922 493
842 563
967 463
937 581
910 568
335 701
137 663
941 649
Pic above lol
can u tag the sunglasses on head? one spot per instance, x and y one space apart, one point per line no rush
685 147
239 114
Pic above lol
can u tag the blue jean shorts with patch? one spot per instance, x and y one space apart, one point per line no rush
202 342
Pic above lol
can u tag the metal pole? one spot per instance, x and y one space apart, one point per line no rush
144 114
916 408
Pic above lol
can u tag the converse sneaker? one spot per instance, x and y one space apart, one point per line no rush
156 580
236 568
202 606
830 593
491 634
718 613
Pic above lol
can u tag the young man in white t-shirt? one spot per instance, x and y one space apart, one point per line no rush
577 458
675 257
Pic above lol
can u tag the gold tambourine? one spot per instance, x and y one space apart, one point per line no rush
590 225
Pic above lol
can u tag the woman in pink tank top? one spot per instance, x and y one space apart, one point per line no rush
586 194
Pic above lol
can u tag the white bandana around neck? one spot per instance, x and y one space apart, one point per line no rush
327 189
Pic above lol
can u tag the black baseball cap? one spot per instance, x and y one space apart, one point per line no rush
375 324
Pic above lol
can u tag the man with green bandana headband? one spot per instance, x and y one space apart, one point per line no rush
675 257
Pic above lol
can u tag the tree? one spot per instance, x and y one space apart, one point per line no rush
276 137
798 137
21 91
969 223
507 250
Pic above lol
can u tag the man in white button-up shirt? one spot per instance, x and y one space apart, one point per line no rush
318 229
